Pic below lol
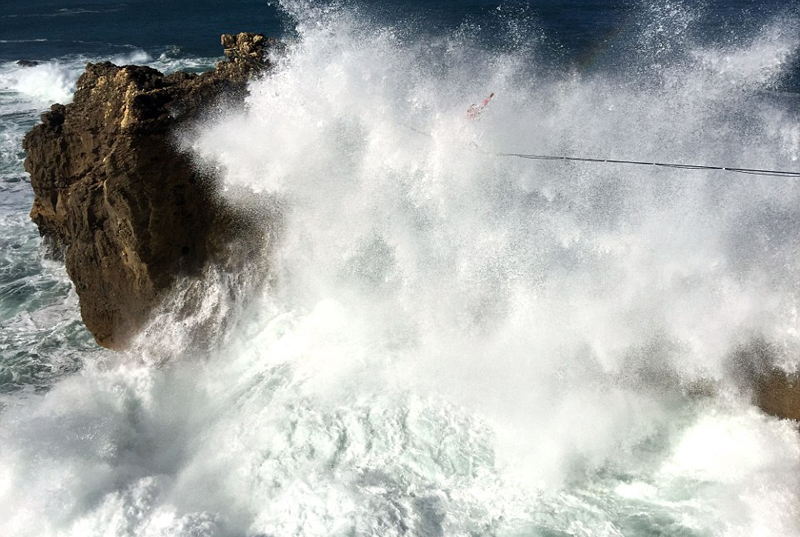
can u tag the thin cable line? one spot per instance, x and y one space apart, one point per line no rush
749 171
677 166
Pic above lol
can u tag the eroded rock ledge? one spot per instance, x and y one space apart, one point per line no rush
125 208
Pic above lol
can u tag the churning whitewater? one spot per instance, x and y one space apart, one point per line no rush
451 342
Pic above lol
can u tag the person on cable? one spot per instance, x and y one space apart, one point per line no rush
474 110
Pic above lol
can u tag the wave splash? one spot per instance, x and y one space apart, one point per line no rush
457 343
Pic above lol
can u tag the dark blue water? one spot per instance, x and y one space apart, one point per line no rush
45 29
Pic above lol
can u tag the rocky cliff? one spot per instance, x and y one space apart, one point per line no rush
125 208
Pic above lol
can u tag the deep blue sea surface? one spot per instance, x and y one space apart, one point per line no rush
455 342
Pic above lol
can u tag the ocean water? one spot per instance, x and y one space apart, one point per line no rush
454 343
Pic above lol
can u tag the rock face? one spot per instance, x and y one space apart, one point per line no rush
774 391
778 394
125 208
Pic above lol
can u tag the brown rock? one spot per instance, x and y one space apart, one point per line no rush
125 208
778 394
753 367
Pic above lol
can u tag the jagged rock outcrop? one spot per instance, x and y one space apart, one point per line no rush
128 210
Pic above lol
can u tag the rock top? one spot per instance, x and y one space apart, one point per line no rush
114 196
